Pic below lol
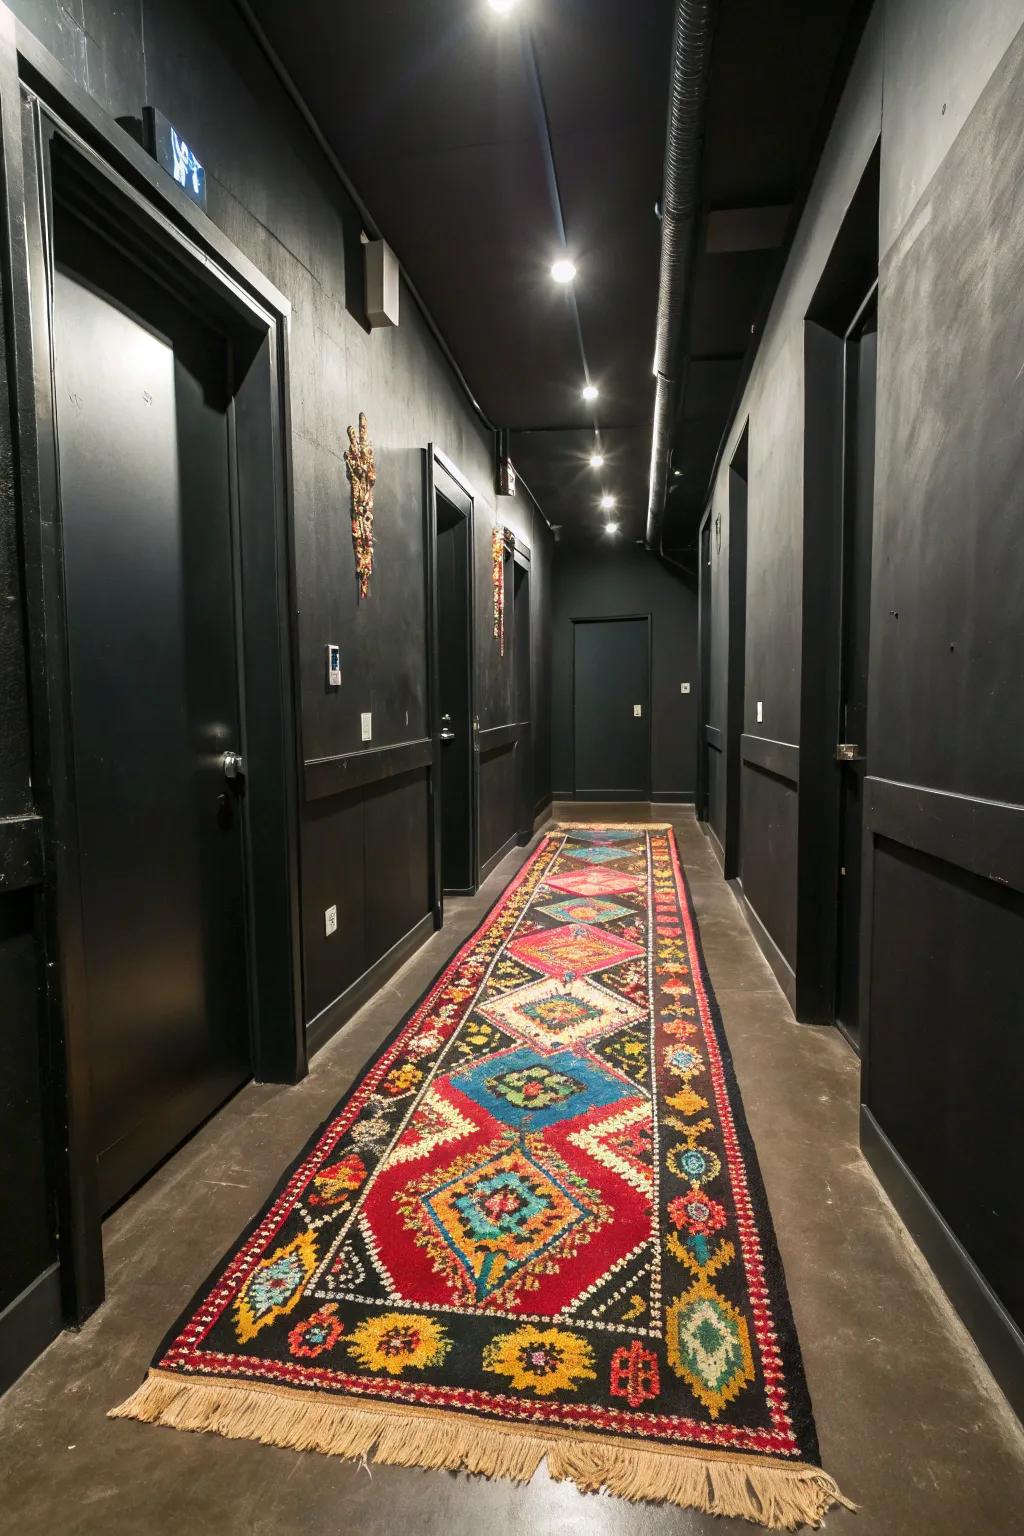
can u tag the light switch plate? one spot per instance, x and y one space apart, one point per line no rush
366 725
330 921
638 710
684 687
760 711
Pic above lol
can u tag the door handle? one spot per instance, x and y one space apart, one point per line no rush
447 734
849 752
233 765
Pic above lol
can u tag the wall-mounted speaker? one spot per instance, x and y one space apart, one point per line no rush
382 283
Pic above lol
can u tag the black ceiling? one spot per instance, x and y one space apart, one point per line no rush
436 112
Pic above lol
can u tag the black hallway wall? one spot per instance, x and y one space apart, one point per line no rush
271 191
942 916
606 583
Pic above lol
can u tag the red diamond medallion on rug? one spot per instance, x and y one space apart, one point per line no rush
593 882
572 949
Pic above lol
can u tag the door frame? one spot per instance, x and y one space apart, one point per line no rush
45 116
704 610
523 748
824 521
443 477
612 618
736 673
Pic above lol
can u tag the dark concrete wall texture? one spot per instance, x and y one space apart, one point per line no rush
942 917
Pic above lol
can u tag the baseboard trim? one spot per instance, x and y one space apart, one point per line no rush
490 865
982 1313
329 1020
542 815
612 796
29 1324
780 966
716 847
673 797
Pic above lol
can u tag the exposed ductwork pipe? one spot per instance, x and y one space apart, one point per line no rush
680 208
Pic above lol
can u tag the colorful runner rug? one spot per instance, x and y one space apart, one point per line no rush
534 1229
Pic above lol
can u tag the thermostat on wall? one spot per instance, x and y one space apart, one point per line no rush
334 666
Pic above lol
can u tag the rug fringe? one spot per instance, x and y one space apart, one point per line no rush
782 1498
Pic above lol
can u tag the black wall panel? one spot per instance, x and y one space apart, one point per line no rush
947 1048
613 583
27 1241
497 799
768 817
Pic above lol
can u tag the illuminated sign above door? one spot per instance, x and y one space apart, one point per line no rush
173 151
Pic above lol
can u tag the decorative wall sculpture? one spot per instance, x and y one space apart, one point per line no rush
498 538
362 474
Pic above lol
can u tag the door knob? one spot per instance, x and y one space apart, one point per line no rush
234 765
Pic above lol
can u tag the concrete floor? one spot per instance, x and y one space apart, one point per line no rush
911 1424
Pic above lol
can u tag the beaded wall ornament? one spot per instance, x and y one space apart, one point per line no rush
498 586
362 474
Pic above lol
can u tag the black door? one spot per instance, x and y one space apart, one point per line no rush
454 698
736 703
704 749
858 496
524 741
142 395
611 730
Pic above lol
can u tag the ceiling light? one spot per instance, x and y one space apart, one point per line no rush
502 6
607 503
563 270
611 528
590 391
597 461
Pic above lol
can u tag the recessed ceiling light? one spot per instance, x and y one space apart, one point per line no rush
607 502
502 6
611 528
597 461
563 270
590 391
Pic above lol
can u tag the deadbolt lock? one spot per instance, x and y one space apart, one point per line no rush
233 765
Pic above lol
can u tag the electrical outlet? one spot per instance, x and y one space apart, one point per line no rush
760 711
331 921
366 724
684 687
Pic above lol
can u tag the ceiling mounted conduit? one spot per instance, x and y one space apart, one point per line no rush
680 212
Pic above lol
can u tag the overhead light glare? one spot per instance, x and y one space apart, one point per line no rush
597 461
607 502
502 6
590 391
611 528
563 270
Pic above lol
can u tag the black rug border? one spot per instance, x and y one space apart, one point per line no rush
798 1393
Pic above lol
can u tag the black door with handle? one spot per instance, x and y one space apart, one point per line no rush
611 692
142 394
851 756
454 698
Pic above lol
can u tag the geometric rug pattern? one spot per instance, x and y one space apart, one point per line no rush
534 1228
